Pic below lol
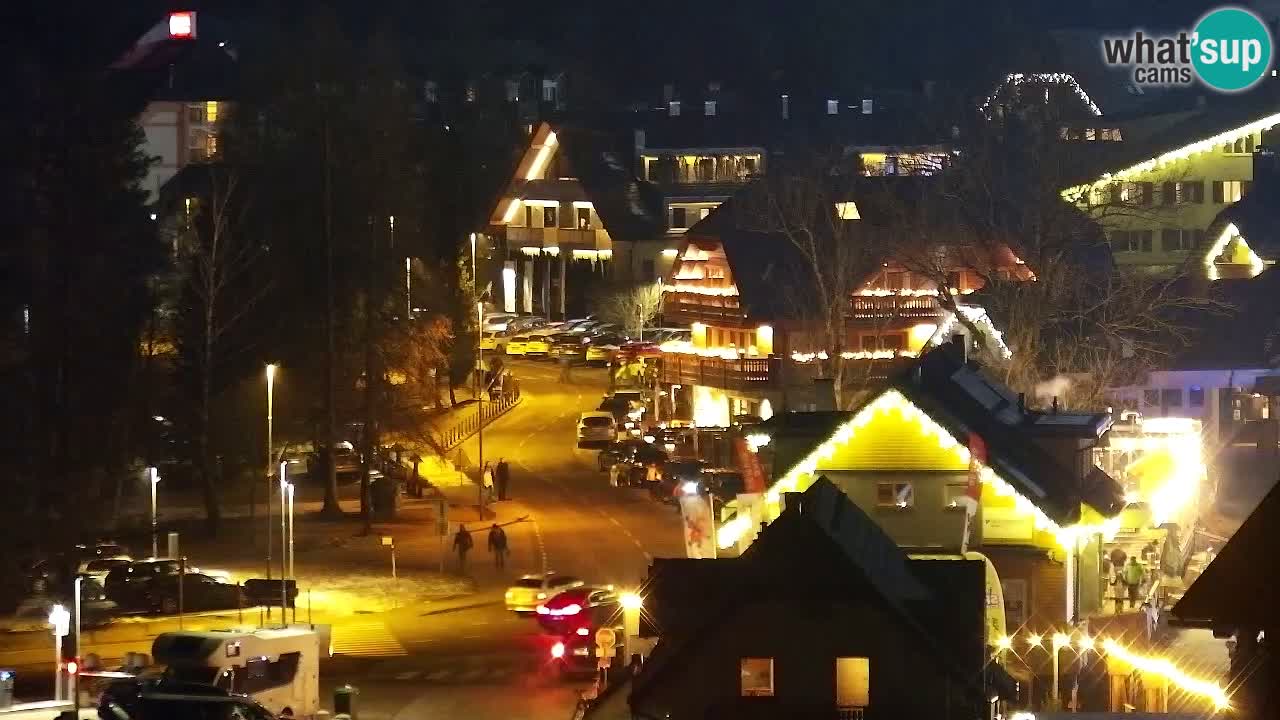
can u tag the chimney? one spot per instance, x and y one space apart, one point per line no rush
793 500
1054 409
824 390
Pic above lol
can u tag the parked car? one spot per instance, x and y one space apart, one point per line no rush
489 340
497 322
539 342
529 591
529 322
596 428
569 345
516 344
163 698
123 584
630 451
199 592
98 568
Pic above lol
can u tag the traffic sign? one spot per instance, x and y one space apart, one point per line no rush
605 641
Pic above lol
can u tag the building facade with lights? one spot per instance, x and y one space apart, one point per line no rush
822 617
758 344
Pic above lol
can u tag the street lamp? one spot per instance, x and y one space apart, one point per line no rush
60 619
286 539
271 384
154 478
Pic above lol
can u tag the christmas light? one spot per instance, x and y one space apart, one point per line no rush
1162 667
1043 78
977 316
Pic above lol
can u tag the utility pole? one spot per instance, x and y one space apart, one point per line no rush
481 378
330 352
370 379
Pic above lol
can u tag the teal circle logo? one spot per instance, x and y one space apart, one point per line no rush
1231 49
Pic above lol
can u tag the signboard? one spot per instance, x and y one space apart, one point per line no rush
605 641
387 541
1015 602
698 532
751 506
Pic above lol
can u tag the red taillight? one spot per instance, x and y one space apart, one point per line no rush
557 650
583 632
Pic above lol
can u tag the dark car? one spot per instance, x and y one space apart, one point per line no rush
199 592
167 699
675 473
630 451
569 345
122 584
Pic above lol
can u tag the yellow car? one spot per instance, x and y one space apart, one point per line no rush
489 340
517 344
600 354
538 343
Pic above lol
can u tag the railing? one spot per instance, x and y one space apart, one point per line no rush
471 424
742 373
895 306
572 238
850 713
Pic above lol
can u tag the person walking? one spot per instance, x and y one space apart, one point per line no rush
486 479
498 546
461 544
1133 576
566 369
502 477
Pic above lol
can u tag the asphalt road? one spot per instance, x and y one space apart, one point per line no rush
483 662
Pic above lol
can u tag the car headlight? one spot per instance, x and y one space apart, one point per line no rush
510 595
542 596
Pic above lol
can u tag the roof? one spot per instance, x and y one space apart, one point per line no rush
959 396
829 528
1257 217
1238 588
1243 333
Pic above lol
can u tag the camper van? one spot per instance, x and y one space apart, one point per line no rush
279 668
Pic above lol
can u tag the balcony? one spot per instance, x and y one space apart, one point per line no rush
866 307
567 238
766 373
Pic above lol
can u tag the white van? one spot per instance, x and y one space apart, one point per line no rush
596 429
279 668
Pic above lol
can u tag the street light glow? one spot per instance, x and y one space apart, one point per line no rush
1162 667
1035 640
631 601
1061 640
1085 643
689 488
1004 642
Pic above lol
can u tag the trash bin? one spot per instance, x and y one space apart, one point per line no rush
344 701
385 494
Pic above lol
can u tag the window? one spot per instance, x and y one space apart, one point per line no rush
1177 240
895 494
679 217
1171 397
853 682
549 216
1182 192
549 88
584 218
757 677
703 213
1229 191
1196 396
833 107
673 108
1131 240
528 216
954 493
1151 397
1132 193
1090 134
709 108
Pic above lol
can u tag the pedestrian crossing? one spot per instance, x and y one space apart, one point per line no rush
459 671
366 639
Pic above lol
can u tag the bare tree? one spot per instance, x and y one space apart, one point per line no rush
632 309
221 265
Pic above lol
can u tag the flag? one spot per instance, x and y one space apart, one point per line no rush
695 510
749 465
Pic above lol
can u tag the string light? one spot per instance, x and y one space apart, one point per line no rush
1043 78
1256 264
1077 192
978 316
731 291
1159 666
808 357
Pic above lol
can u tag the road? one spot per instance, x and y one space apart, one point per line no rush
483 662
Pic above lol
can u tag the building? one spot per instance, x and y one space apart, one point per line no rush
186 65
751 298
823 616
1159 181
1236 598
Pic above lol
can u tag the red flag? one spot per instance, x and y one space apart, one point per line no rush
749 465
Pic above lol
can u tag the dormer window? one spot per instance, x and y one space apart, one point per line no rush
673 108
833 107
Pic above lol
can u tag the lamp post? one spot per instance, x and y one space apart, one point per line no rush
284 544
291 570
1059 641
271 380
154 480
60 619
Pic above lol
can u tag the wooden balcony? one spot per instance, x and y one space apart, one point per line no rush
867 307
766 373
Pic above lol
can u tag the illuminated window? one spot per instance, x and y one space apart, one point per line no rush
1228 191
673 108
853 682
757 677
833 107
211 111
1090 134
847 211
709 108
896 494
955 492
549 216
584 218
703 213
